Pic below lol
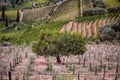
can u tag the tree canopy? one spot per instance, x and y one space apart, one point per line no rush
59 44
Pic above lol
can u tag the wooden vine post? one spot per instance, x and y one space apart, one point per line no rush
10 75
104 72
117 70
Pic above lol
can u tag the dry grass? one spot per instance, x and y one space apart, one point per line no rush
67 11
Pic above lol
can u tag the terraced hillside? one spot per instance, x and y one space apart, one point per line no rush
38 13
88 26
32 33
67 10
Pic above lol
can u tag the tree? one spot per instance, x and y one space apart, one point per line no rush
99 3
3 9
16 2
5 1
6 21
13 3
59 44
22 1
18 16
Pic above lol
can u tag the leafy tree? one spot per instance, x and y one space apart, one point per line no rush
109 31
6 21
5 1
59 44
13 3
16 1
3 9
99 3
18 16
22 1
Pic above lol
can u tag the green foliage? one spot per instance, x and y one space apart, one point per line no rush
5 38
95 11
109 31
18 16
87 12
56 44
3 9
113 9
13 3
98 11
6 21
99 3
32 34
10 14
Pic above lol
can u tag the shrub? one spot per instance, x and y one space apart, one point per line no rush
99 11
113 9
95 11
110 31
4 38
115 26
6 44
88 12
99 3
107 34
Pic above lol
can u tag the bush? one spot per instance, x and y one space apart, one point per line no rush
95 11
6 44
99 11
88 12
112 9
115 26
99 3
107 34
110 31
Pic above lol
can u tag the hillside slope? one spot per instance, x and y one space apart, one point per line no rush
88 26
67 11
111 3
38 13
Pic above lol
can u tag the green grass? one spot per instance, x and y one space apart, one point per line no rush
67 11
2 25
111 3
10 14
12 27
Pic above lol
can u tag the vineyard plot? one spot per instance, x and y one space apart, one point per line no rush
100 62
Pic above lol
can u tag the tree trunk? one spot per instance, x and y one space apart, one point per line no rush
3 14
58 59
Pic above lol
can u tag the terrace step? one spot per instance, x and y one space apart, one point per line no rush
89 28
